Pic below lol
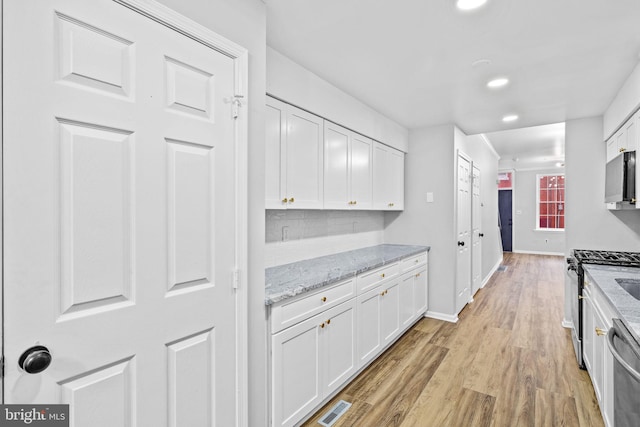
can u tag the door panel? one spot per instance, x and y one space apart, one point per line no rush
119 166
506 222
476 223
463 269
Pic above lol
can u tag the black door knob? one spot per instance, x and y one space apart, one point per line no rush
460 243
481 234
35 359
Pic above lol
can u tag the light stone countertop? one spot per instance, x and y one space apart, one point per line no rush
627 306
288 280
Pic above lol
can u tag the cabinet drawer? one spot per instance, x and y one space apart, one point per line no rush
412 262
372 278
291 312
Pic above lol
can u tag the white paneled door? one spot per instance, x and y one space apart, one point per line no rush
120 198
463 269
476 232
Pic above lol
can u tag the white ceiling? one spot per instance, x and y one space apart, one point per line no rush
528 148
412 59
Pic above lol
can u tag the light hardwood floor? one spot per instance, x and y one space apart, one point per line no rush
507 362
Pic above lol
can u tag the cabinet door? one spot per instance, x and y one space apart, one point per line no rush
612 148
304 168
407 299
599 346
275 158
396 160
338 344
630 137
390 311
421 291
361 166
369 342
336 166
296 382
381 177
587 323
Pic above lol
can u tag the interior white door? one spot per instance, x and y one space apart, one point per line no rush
463 270
476 224
119 203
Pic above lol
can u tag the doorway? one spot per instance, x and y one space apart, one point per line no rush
505 201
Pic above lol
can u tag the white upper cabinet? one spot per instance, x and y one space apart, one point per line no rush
299 159
275 143
311 163
388 178
625 139
347 169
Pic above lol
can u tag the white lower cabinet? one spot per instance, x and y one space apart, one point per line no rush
597 314
313 358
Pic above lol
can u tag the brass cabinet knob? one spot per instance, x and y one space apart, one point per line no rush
323 299
284 200
417 274
390 205
382 275
382 293
322 325
633 201
622 150
581 297
386 292
600 332
355 202
291 200
328 321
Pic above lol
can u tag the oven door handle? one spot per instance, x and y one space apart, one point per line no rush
610 335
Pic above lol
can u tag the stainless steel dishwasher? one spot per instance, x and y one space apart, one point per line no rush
626 375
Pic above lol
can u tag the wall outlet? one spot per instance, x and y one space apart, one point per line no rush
429 197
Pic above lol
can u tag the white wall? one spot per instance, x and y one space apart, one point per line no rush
429 167
486 159
298 86
244 22
623 105
314 233
525 236
589 225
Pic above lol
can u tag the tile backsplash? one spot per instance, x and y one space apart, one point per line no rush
293 235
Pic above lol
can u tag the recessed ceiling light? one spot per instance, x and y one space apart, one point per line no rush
469 4
510 118
498 82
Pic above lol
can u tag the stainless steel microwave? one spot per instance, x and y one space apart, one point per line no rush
620 180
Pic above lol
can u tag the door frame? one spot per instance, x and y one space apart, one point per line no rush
513 202
240 56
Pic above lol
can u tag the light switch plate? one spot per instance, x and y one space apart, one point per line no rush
429 197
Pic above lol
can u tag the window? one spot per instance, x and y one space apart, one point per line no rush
505 181
550 202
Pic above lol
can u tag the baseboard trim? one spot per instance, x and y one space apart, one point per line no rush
567 324
453 318
538 253
493 270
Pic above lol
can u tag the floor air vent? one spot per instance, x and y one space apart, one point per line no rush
502 268
336 412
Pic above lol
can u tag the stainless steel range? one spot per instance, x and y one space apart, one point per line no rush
576 274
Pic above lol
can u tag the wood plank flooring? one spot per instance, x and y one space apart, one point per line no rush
507 362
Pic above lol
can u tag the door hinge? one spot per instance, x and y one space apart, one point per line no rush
236 278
